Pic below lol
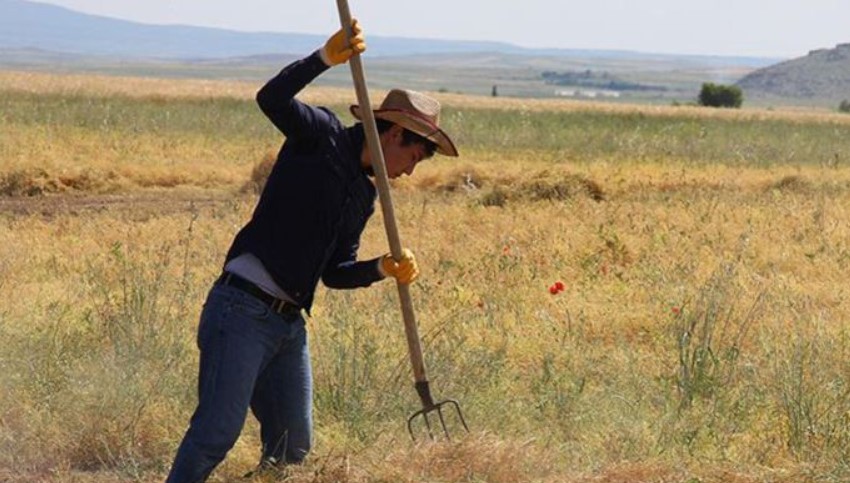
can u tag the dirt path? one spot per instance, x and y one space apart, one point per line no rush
141 205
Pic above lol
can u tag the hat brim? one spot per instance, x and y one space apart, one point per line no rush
417 124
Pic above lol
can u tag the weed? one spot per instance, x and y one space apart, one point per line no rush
791 183
813 391
495 197
711 333
350 376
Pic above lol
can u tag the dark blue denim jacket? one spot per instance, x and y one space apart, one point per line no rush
318 198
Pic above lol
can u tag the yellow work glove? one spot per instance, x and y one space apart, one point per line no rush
337 51
405 270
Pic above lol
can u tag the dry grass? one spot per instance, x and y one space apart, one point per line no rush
700 336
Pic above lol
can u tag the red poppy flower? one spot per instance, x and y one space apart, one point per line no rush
556 287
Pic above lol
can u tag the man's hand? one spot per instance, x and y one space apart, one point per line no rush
405 270
338 51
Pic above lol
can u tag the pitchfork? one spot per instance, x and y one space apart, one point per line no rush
413 344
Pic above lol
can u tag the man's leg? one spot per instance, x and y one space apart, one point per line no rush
235 340
283 399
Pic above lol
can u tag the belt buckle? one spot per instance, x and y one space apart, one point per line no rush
280 306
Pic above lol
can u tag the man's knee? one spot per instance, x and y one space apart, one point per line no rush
214 438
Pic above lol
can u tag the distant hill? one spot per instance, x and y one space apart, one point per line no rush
31 25
38 36
822 76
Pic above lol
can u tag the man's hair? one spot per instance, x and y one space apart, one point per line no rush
409 137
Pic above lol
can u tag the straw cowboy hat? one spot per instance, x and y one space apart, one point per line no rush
415 112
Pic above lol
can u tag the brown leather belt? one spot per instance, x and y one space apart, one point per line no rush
278 306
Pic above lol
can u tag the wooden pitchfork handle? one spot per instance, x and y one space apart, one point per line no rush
379 165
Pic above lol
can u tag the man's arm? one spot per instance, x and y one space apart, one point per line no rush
277 99
344 271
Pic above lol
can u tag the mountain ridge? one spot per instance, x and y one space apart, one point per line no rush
46 37
54 28
823 74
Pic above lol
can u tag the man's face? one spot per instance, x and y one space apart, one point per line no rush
401 159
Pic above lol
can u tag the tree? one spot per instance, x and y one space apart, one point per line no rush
844 106
719 95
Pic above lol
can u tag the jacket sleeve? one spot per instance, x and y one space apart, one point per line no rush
292 117
344 271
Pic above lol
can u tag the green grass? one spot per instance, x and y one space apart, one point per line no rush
555 136
585 136
239 120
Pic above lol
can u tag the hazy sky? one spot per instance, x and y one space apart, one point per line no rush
774 28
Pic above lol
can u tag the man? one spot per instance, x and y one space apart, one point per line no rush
306 227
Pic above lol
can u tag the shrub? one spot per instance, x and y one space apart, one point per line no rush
719 95
260 174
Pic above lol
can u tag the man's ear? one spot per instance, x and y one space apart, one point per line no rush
396 131
391 135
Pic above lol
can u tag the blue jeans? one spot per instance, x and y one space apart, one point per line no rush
250 357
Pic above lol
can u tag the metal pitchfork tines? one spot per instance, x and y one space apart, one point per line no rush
429 407
378 164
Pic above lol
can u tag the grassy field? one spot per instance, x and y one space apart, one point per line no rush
701 337
678 77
